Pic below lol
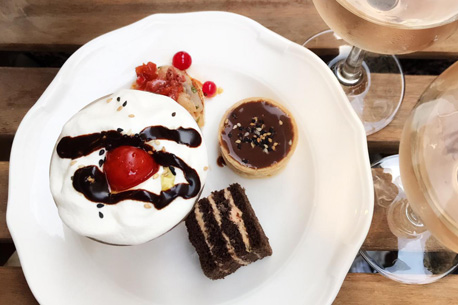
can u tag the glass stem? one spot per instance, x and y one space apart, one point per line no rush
349 72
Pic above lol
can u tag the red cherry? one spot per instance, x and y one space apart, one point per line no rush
182 60
128 166
209 89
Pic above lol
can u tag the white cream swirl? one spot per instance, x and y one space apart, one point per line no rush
128 222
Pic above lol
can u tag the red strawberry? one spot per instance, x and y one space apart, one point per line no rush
128 166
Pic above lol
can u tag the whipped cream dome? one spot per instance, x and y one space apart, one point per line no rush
127 222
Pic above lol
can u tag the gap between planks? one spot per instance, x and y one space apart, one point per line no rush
357 289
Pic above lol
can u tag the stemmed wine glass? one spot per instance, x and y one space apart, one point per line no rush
418 190
364 30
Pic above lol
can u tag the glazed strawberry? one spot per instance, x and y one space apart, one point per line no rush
128 166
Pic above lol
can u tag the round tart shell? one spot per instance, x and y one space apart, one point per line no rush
250 172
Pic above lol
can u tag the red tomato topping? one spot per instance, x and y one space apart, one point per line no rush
209 89
128 166
148 72
169 84
182 60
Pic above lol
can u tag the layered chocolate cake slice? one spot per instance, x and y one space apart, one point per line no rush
226 232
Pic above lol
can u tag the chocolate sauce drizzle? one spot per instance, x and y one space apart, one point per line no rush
76 147
92 183
97 190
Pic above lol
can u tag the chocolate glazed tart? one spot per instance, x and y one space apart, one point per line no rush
257 137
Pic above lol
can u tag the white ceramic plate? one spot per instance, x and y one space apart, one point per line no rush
316 212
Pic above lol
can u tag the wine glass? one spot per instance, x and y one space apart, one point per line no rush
365 33
418 190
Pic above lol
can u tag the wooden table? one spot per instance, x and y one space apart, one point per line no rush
50 27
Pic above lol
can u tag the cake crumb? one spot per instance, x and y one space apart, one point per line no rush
119 108
205 168
219 90
147 206
109 100
156 175
131 115
73 162
157 142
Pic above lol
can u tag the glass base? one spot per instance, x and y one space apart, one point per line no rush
410 254
378 96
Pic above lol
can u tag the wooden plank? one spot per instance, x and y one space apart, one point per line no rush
4 233
13 287
387 140
374 289
20 88
55 24
357 289
379 237
16 99
388 206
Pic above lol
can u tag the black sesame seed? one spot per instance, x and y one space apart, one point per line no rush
239 146
100 215
174 113
119 130
253 121
124 104
100 205
100 163
101 152
234 116
229 135
271 129
240 128
118 99
244 160
269 149
172 169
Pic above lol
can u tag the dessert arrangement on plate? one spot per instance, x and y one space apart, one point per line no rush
130 166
